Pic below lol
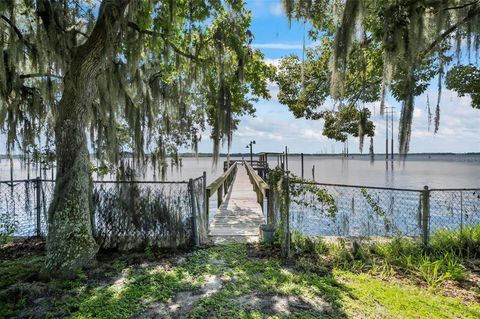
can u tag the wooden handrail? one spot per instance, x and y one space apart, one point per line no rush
221 186
260 187
256 180
213 187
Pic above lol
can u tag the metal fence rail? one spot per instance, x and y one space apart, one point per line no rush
125 215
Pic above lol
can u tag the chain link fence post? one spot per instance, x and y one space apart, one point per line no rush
287 216
461 214
38 206
425 217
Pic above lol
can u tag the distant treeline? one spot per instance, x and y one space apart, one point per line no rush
187 155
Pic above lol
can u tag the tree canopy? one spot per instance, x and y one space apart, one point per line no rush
171 68
365 49
141 76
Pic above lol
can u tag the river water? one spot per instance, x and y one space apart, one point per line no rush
448 209
436 171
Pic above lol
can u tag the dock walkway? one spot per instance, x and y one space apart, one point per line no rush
239 216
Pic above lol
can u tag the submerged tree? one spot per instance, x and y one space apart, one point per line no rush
368 48
142 73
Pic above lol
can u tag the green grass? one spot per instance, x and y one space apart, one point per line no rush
373 298
445 259
19 269
251 287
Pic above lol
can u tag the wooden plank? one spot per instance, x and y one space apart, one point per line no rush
239 215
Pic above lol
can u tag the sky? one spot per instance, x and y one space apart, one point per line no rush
274 127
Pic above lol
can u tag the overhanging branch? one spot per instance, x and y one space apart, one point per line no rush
39 75
135 27
463 6
17 32
471 14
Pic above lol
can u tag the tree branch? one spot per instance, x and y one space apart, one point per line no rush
80 32
135 27
471 14
17 32
462 6
104 32
39 75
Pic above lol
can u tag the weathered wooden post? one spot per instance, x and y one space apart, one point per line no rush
425 217
286 158
205 198
313 172
270 213
301 156
38 208
220 195
194 215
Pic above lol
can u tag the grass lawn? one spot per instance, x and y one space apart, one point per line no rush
226 281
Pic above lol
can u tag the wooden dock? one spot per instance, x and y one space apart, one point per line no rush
239 215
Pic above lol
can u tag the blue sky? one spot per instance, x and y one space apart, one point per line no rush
274 127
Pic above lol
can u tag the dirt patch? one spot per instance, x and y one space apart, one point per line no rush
468 290
258 251
22 247
183 302
282 305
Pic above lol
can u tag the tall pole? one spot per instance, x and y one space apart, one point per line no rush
251 154
251 151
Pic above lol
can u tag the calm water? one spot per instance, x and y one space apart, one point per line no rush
436 171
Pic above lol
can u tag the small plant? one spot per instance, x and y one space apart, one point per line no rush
431 272
149 252
7 228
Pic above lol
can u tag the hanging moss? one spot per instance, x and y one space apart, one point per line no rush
343 42
415 34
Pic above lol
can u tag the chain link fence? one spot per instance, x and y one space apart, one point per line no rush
361 212
24 204
319 209
454 208
125 215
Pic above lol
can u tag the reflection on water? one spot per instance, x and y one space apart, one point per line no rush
436 171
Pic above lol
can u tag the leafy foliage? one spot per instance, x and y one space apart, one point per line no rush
174 67
7 227
465 80
369 47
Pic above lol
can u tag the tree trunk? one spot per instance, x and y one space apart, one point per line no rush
70 243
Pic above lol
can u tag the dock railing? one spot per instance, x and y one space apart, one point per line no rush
260 187
221 186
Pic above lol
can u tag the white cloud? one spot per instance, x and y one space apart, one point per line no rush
314 134
274 62
278 46
276 9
